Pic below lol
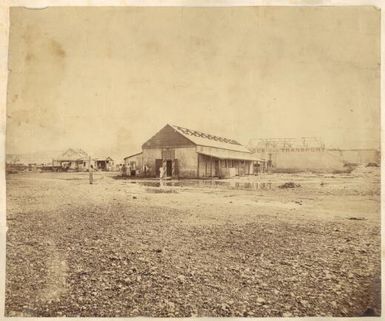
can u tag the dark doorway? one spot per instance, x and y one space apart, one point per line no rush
169 168
101 165
216 168
158 165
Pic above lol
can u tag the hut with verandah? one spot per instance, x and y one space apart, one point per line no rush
72 160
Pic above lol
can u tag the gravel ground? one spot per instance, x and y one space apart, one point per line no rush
118 248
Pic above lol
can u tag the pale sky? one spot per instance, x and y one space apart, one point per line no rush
107 79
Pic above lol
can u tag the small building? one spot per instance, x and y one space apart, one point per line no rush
135 164
32 167
104 164
186 153
72 160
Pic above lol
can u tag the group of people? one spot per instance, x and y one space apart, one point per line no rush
130 170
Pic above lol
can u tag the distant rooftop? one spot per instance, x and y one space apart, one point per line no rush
73 154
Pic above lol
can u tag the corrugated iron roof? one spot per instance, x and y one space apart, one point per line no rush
204 139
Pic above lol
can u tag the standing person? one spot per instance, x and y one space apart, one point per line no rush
124 170
161 172
91 174
258 168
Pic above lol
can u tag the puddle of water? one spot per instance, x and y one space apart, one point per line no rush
160 190
208 183
73 179
278 204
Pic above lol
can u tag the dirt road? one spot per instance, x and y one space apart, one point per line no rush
240 247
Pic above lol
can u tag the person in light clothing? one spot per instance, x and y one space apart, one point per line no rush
91 174
161 172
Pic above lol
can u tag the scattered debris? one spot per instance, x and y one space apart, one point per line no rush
369 312
289 185
372 165
191 254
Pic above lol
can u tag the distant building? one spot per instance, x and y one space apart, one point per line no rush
104 163
182 152
15 167
309 153
72 160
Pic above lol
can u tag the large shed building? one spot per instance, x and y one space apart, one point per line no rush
185 153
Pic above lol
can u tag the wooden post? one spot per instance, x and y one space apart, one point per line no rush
211 166
198 165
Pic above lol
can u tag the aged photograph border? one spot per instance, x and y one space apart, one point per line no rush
38 5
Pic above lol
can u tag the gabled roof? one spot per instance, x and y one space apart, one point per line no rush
74 154
203 139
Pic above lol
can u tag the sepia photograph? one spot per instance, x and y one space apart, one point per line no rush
187 161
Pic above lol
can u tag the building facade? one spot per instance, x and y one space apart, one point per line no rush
72 160
104 164
309 153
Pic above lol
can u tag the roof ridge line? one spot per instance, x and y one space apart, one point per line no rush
197 133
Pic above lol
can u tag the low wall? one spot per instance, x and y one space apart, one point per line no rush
297 161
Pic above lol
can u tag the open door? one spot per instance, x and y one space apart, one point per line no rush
175 168
169 168
216 168
158 165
